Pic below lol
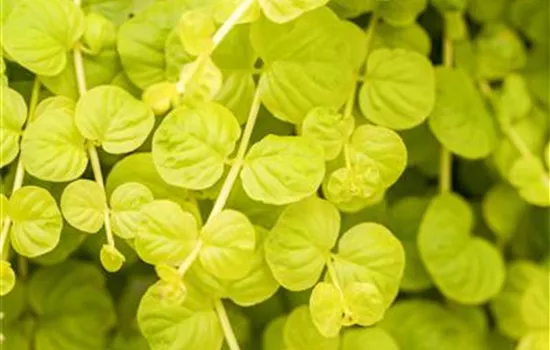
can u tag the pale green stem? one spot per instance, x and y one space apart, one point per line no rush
19 170
229 181
218 37
79 69
446 158
226 326
98 175
186 264
333 275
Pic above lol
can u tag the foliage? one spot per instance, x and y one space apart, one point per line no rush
274 174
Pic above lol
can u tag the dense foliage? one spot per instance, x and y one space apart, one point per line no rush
274 174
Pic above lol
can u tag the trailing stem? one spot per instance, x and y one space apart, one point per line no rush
92 151
19 170
446 158
226 326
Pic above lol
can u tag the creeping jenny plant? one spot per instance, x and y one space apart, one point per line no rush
274 174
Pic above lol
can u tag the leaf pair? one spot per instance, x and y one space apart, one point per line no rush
466 269
363 277
374 157
167 234
54 147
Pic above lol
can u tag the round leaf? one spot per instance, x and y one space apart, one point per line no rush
533 182
166 233
52 148
13 113
297 246
126 203
283 169
195 30
413 38
37 222
83 204
191 325
366 303
399 89
72 306
460 120
382 146
39 34
299 333
229 244
329 128
325 305
113 118
466 269
191 145
369 253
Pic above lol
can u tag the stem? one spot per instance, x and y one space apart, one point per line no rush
445 169
333 275
79 68
19 170
446 158
220 34
231 21
239 159
226 326
98 175
186 264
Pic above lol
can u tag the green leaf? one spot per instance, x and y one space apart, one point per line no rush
514 102
71 239
299 333
308 63
460 120
191 145
40 34
530 17
37 222
420 324
503 210
373 338
141 42
282 169
365 302
258 284
299 243
499 51
204 81
126 202
224 8
73 307
111 258
229 245
7 277
487 11
381 146
111 117
100 33
532 180
191 325
195 30
537 340
466 269
12 118
421 145
52 148
325 306
272 337
401 13
506 307
139 167
329 128
359 185
405 218
535 303
412 38
167 233
117 11
237 93
280 11
83 204
399 89
369 253
159 97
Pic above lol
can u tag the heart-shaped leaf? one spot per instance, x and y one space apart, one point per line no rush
126 203
83 204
